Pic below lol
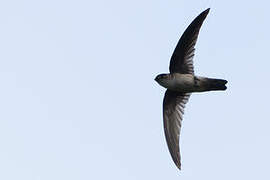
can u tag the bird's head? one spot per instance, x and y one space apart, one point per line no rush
162 78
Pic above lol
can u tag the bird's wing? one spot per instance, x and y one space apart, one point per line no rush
182 58
173 110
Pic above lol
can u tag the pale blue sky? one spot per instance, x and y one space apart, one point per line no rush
78 98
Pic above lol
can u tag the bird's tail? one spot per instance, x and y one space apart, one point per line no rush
216 84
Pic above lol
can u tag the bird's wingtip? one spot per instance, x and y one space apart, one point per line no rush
178 165
207 10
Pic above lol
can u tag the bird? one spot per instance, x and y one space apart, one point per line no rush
180 83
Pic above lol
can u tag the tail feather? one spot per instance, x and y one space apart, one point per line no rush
217 84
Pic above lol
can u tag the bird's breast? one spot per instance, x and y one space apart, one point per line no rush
180 82
183 82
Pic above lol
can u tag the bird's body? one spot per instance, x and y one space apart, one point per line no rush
180 83
188 83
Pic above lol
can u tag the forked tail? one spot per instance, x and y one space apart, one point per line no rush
216 84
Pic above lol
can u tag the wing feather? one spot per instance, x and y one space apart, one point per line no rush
182 58
173 110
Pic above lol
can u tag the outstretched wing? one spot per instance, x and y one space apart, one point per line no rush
173 110
182 58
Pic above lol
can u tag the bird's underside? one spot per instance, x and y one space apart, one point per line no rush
188 83
179 90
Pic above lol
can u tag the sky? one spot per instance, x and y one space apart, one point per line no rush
78 98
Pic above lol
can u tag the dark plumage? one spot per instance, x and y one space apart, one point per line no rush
180 83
